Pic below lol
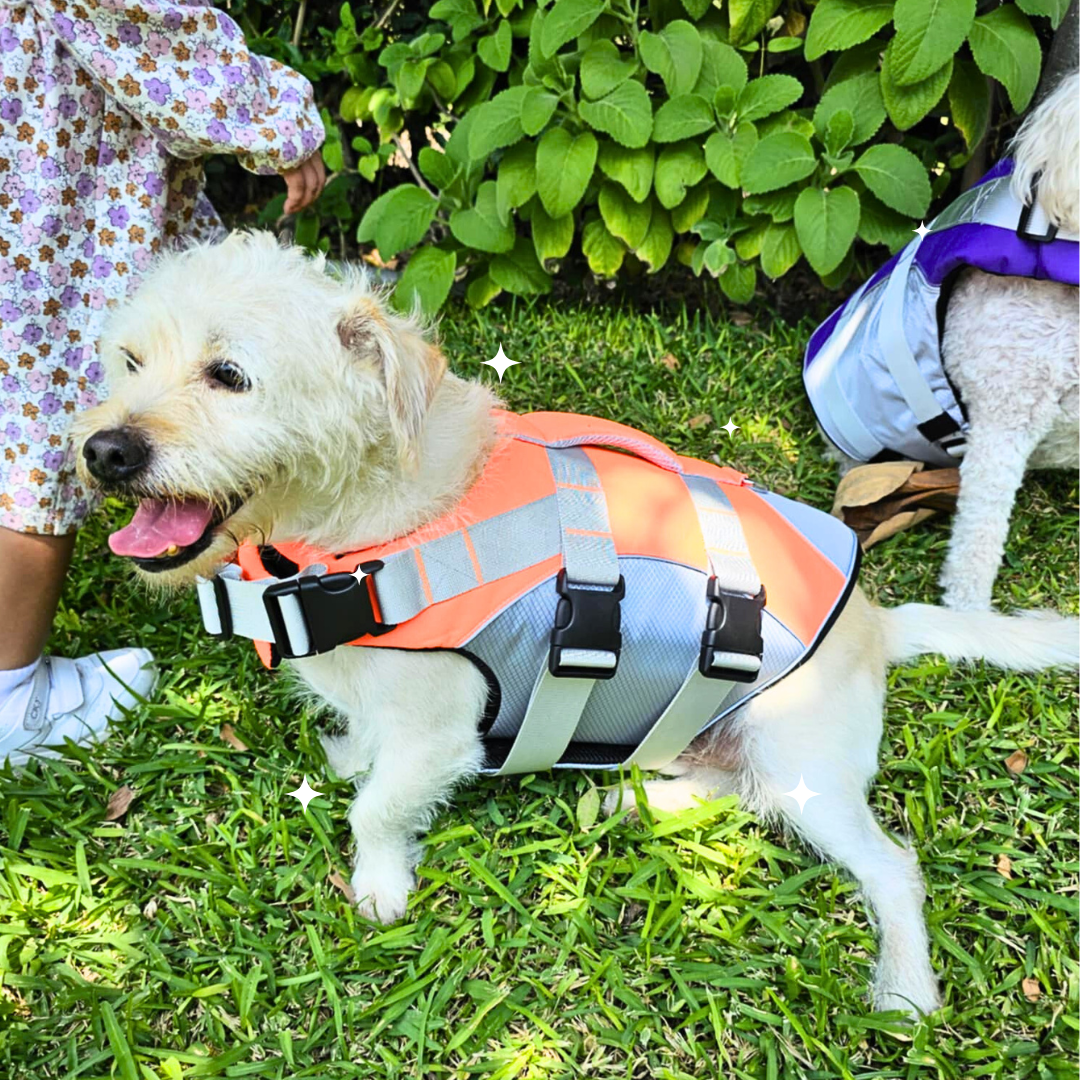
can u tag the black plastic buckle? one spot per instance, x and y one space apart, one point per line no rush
586 619
337 608
221 598
732 624
1025 218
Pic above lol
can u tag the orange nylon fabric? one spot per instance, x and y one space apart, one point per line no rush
650 511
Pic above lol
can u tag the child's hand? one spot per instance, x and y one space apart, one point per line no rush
304 184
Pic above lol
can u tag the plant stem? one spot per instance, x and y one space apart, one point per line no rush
298 28
412 168
386 14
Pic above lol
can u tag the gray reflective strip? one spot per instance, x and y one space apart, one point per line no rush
898 356
248 612
588 548
550 721
557 704
696 703
725 543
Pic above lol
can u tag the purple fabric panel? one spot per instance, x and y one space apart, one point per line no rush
1003 168
997 251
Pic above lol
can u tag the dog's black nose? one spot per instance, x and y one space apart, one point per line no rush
116 455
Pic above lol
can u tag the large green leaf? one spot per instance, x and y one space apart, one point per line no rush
725 154
748 18
497 123
625 114
682 117
564 166
880 225
836 25
692 209
776 161
537 107
696 8
1006 48
494 49
397 220
656 247
969 101
519 271
481 291
738 282
826 223
675 54
780 250
436 166
721 65
896 177
767 95
928 33
631 168
480 226
566 20
604 252
426 280
678 167
460 14
860 96
604 67
907 105
551 236
1054 10
624 218
516 181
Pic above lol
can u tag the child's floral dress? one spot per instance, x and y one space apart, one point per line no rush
106 110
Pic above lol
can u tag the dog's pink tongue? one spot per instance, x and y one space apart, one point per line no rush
157 526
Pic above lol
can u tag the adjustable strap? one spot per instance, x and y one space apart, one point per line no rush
586 638
731 644
935 424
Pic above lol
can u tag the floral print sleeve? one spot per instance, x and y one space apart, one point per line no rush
185 73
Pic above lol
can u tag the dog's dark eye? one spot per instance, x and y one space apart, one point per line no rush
133 362
226 373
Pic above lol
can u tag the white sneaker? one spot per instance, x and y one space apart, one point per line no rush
74 699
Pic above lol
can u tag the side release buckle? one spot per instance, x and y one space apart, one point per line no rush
336 608
731 646
587 638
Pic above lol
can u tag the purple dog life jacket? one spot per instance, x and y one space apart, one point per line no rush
873 369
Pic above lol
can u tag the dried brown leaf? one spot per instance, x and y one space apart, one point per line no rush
701 420
1032 989
118 803
741 318
229 735
669 361
1004 866
1016 762
342 886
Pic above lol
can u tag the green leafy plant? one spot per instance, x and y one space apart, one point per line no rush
734 137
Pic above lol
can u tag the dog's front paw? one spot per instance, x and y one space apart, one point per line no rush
382 893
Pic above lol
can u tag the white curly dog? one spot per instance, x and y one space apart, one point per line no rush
299 407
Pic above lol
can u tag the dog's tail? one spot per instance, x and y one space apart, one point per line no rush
1028 642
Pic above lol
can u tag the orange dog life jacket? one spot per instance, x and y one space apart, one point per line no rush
618 598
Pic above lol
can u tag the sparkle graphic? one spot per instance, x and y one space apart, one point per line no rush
802 794
922 230
731 427
305 793
500 362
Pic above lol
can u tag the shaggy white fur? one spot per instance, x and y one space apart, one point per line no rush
1011 347
351 434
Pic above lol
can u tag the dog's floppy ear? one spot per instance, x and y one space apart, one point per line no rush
411 368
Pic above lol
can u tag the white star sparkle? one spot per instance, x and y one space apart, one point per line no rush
731 427
922 230
500 362
305 793
802 794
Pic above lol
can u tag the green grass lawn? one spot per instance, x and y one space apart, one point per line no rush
204 934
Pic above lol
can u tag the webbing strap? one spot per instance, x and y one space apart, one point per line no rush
699 698
557 702
993 203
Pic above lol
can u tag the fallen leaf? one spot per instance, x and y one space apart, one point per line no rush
230 736
741 318
118 804
342 886
1031 988
1004 866
1016 762
700 420
669 361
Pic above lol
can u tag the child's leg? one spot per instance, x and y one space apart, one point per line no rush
32 569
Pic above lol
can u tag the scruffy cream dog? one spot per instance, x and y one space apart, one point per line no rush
254 396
